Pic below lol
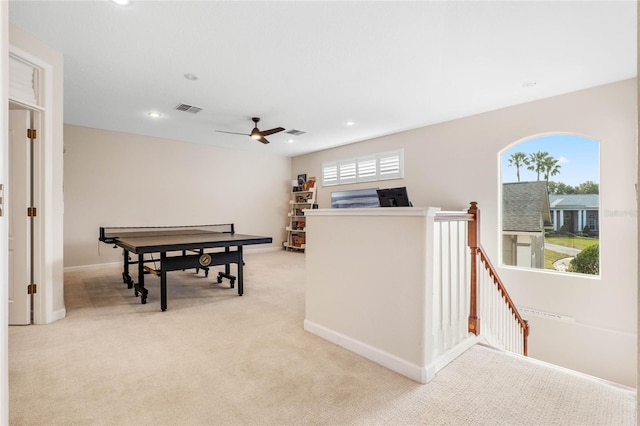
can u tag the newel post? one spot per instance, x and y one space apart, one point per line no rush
473 237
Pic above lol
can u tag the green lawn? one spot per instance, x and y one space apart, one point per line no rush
551 256
570 241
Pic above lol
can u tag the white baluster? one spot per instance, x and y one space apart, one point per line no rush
446 280
437 290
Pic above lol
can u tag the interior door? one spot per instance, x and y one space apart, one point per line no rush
19 198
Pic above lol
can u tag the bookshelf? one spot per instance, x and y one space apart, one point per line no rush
296 224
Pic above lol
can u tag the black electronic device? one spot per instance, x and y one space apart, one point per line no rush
393 197
354 198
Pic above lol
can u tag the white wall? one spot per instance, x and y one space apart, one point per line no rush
121 179
450 164
370 297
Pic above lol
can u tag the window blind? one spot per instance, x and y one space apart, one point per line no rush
381 166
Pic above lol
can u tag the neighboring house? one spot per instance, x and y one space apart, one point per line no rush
525 214
575 212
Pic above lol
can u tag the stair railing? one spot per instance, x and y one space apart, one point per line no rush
502 325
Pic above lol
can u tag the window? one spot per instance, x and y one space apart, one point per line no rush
551 203
382 166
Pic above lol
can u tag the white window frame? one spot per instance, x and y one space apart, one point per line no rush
369 168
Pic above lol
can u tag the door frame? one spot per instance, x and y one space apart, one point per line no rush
4 223
42 186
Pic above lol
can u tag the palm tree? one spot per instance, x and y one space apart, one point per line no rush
518 159
537 161
550 168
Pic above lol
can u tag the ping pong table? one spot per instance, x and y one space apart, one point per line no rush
180 248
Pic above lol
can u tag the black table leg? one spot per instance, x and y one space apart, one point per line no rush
204 268
227 266
139 287
163 282
227 271
126 278
240 263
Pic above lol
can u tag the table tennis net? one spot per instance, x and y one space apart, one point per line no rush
110 233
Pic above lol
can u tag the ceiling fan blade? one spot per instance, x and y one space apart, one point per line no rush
271 131
233 133
256 133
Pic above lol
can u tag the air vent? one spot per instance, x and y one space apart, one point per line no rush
295 132
189 108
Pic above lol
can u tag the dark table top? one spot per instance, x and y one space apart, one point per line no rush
163 241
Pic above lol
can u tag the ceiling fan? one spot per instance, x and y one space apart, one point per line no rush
256 133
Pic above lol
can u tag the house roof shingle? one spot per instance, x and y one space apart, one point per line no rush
525 206
574 201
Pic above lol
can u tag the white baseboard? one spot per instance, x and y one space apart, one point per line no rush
58 315
561 368
89 267
50 319
446 358
119 263
392 362
256 249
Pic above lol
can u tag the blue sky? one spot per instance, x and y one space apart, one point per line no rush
578 156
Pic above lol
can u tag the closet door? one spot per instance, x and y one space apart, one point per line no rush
19 199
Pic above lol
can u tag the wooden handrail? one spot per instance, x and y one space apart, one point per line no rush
477 250
524 325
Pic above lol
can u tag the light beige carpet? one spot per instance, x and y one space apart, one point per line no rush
216 358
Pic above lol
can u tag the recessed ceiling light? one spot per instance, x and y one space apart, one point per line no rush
154 114
349 123
291 141
122 2
190 76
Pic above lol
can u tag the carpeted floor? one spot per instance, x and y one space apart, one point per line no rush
216 358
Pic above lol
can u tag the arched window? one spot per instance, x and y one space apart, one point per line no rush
550 204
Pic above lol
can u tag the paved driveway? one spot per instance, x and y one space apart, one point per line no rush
561 264
562 249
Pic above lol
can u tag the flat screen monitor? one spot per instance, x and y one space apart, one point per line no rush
393 197
354 198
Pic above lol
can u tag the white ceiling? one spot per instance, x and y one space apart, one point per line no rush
312 66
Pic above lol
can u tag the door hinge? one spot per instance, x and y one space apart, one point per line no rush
31 212
32 133
32 289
